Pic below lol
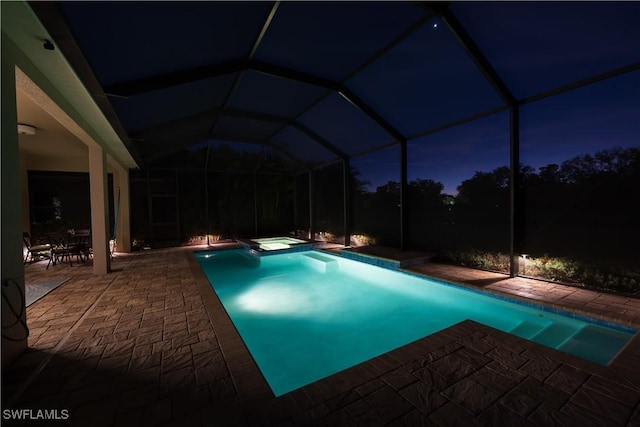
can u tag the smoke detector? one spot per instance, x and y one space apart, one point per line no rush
26 129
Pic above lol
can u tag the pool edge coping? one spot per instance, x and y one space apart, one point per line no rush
241 364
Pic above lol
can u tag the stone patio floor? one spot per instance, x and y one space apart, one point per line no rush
150 344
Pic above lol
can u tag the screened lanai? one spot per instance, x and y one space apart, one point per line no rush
493 139
491 134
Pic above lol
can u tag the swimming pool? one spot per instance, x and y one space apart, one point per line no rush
306 315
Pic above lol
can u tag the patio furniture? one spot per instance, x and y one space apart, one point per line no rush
35 252
59 249
67 245
79 243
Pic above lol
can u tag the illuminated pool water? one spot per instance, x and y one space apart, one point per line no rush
306 315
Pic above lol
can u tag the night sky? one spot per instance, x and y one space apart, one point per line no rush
534 49
582 121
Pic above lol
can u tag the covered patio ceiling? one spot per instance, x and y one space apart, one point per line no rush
319 82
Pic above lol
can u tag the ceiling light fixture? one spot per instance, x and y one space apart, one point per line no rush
26 129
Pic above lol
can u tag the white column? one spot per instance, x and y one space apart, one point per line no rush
11 243
123 229
99 210
24 183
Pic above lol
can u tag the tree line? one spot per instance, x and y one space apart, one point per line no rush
593 199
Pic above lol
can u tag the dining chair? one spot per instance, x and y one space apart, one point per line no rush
35 252
59 249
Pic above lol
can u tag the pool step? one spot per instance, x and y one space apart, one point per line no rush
321 263
526 329
595 343
554 335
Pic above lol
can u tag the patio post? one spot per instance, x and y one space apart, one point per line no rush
312 229
295 204
206 193
404 198
24 185
255 205
121 196
515 195
346 169
99 210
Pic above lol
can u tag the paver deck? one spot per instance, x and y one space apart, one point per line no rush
150 344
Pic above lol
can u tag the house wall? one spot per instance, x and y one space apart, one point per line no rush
14 338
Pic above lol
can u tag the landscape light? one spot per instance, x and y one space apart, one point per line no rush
524 265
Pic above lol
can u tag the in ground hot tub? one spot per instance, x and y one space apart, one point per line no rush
281 243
